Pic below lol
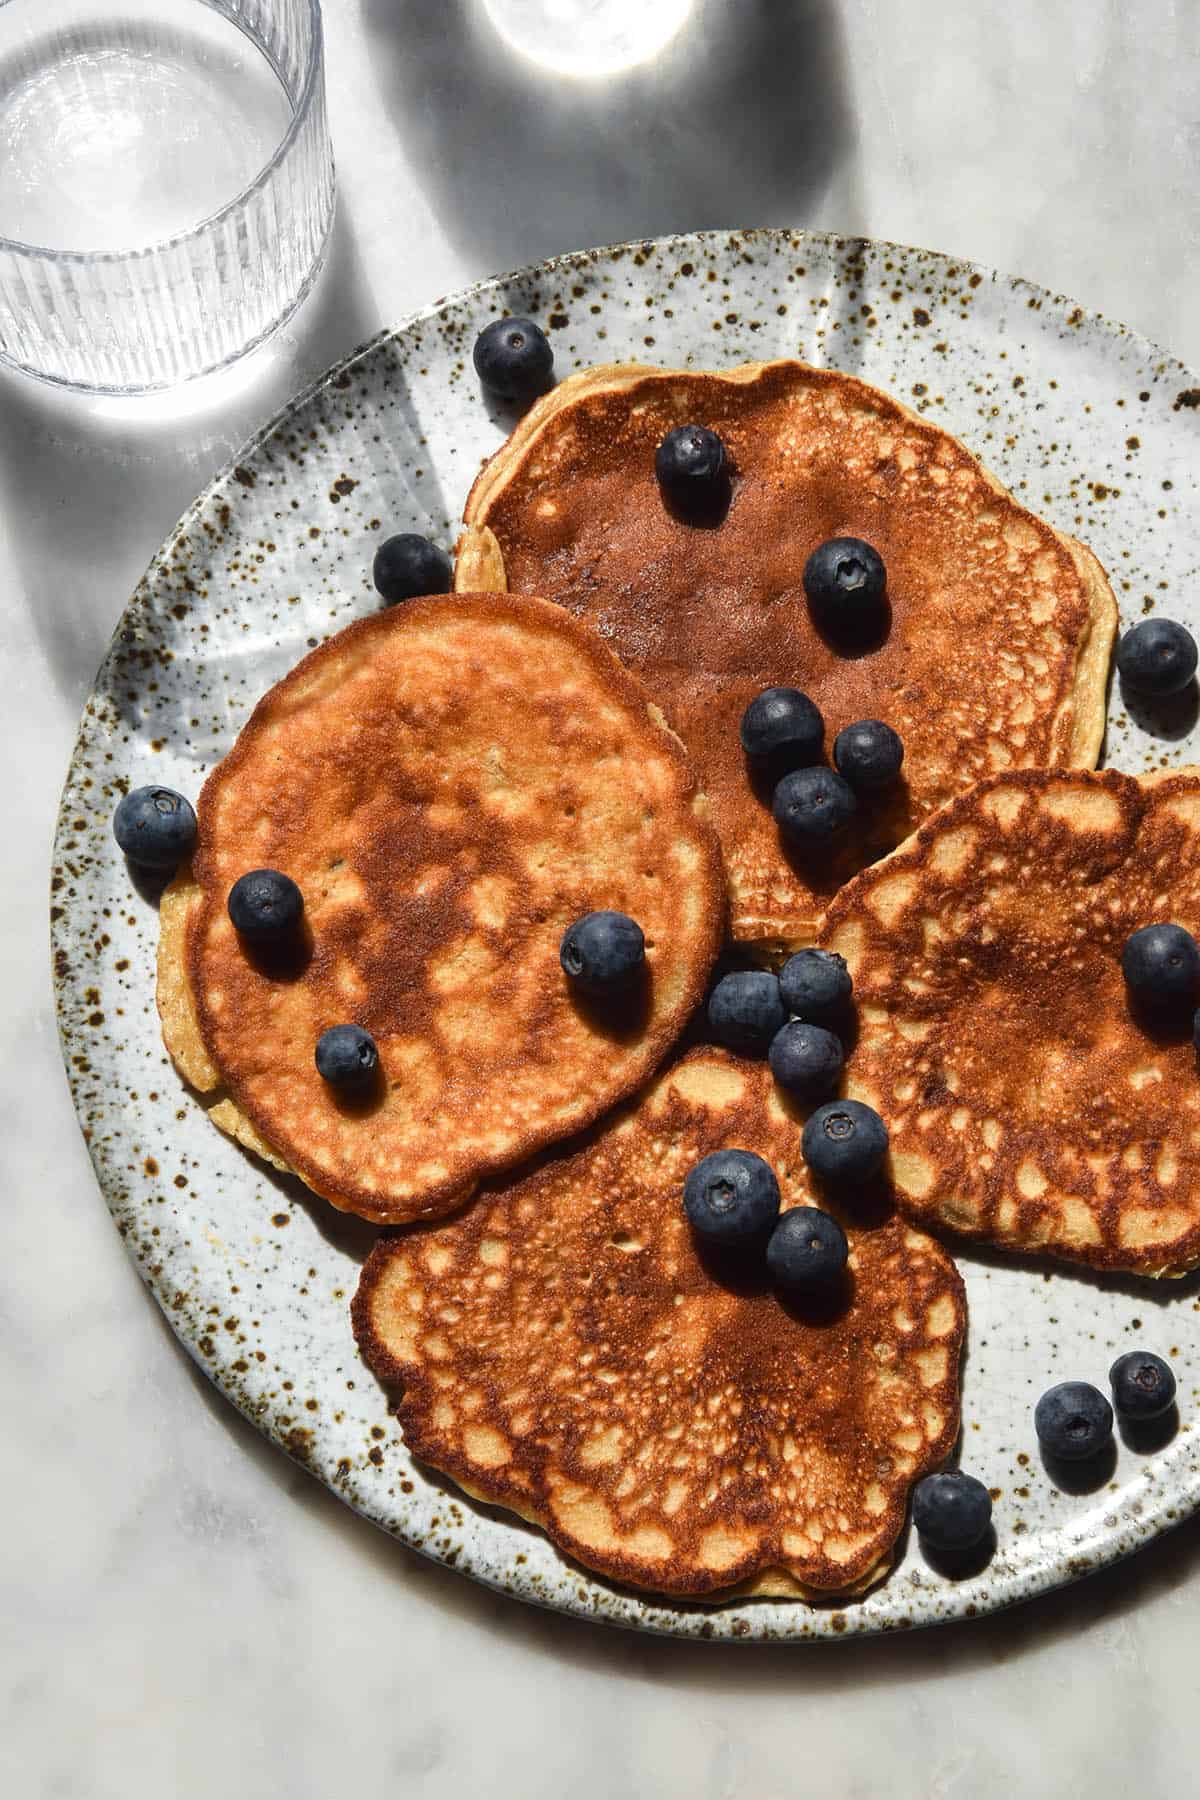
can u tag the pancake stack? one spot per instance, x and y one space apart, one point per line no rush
995 656
566 1351
453 783
1031 1105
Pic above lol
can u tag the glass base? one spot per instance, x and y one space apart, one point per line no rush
131 390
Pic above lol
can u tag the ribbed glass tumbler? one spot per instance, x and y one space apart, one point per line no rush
166 183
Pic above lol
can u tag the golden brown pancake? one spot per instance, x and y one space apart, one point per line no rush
1001 627
451 783
1029 1105
563 1350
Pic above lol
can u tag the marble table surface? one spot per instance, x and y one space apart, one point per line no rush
187 1613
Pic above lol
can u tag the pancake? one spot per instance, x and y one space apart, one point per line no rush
1029 1107
1001 627
451 783
565 1352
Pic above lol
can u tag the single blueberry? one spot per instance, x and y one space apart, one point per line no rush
807 1249
347 1057
1162 962
816 985
692 468
513 359
844 1141
812 805
806 1059
602 952
1073 1421
264 904
868 754
155 827
408 565
951 1511
1143 1385
781 725
1157 657
745 1010
845 583
731 1197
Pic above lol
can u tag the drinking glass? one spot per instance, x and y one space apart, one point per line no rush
166 183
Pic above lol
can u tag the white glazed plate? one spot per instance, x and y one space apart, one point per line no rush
1086 422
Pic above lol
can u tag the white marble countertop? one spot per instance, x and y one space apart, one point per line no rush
188 1614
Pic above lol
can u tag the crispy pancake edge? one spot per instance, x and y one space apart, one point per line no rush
181 1028
771 1581
1076 728
1185 1253
182 1011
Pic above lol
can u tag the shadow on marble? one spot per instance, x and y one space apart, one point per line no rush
88 483
1163 1566
744 119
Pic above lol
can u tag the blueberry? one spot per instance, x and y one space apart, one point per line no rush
781 725
807 1249
745 1010
951 1511
409 565
602 952
806 1059
845 582
1156 657
155 827
731 1197
264 904
1143 1385
513 359
1196 1029
1162 962
844 1141
692 469
812 805
816 985
868 754
1073 1421
347 1057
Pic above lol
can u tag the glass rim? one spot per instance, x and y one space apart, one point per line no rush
312 71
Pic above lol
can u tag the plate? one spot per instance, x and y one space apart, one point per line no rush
1085 421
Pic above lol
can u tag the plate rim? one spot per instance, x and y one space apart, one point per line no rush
655 1615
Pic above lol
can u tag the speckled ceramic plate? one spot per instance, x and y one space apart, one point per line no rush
1087 422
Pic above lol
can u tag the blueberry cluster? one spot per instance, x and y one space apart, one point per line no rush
782 731
732 1201
782 734
798 1019
1073 1420
1074 1423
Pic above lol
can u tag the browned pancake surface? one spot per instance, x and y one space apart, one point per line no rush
1000 632
565 1352
451 783
1029 1106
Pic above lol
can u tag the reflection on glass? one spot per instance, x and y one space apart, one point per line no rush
588 37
